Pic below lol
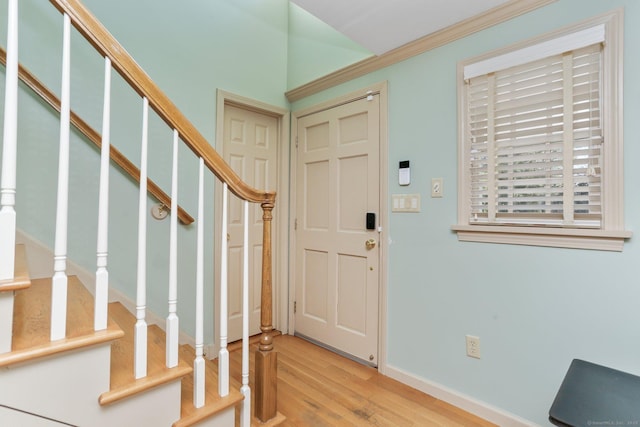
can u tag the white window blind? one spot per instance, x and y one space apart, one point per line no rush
546 49
534 142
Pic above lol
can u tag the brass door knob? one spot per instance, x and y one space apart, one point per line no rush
370 244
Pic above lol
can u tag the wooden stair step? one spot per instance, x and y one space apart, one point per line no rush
214 404
21 278
123 383
32 323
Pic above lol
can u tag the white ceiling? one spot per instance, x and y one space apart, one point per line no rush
383 25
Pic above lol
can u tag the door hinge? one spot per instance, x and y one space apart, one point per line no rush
295 307
295 224
296 141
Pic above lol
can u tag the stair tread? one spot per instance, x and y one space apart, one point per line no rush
123 383
21 279
32 322
214 404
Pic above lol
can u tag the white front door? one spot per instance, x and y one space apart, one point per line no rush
337 257
250 148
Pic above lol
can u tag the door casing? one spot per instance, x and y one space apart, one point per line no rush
280 225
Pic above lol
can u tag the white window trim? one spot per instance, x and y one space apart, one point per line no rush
611 236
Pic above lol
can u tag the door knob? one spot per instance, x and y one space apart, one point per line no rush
370 244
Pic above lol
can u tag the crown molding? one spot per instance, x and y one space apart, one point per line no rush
447 35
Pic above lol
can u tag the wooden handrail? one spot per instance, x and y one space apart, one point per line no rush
108 46
118 158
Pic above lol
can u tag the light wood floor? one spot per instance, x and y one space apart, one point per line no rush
319 388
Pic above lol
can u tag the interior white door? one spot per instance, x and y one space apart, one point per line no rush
250 148
337 257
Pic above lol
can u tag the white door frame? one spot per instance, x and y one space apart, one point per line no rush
380 88
280 225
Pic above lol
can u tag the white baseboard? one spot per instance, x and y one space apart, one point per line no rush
40 260
460 400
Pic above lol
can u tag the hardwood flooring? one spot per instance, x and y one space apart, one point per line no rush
319 388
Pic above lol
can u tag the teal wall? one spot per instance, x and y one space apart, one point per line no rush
316 49
190 50
534 308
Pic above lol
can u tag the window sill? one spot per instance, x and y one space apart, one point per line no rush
539 236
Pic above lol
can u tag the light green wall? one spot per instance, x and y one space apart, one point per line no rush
316 49
190 50
534 308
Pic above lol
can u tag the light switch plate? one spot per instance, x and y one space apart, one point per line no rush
405 203
436 187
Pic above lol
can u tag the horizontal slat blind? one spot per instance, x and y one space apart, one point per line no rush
518 133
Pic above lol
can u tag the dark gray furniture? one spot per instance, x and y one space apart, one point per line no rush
592 395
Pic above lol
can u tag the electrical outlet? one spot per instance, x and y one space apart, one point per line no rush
436 187
473 346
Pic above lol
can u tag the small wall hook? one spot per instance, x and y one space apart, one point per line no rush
159 211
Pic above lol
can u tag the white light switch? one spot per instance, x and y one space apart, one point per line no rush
436 187
405 202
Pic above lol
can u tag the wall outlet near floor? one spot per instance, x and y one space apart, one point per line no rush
473 346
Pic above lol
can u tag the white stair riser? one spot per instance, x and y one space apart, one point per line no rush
64 387
158 407
10 417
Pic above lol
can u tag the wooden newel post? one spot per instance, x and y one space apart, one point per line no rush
266 381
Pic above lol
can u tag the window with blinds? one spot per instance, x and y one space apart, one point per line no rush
535 142
540 159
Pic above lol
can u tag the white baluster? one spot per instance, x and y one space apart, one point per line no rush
172 324
140 363
59 283
8 180
223 354
198 363
9 148
245 410
102 274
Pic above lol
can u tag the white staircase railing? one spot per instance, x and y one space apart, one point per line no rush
172 327
8 179
116 58
245 410
140 364
59 284
102 274
223 353
198 363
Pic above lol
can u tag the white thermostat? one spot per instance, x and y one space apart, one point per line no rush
404 173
